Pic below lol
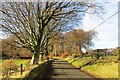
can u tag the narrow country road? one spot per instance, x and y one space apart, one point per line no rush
62 70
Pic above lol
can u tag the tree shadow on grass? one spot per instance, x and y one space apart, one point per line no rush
73 60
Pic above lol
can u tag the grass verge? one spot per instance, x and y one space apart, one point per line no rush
103 68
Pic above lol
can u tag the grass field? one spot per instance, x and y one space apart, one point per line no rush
78 61
18 62
103 68
108 70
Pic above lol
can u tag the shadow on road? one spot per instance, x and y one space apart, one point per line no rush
62 70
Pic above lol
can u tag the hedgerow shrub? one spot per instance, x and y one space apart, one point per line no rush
51 55
64 55
8 67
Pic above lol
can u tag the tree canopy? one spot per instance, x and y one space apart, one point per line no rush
34 23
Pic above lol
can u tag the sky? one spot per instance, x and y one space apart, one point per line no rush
108 32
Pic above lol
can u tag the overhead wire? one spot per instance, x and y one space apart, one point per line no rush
105 20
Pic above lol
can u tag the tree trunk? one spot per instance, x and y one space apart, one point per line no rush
41 57
34 59
46 54
81 53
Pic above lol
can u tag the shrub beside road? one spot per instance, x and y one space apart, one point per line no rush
13 68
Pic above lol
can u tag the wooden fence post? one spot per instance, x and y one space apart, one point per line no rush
21 69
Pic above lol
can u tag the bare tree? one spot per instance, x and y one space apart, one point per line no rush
57 43
80 39
32 23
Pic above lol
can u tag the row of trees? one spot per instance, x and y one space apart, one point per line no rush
73 41
33 24
9 51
